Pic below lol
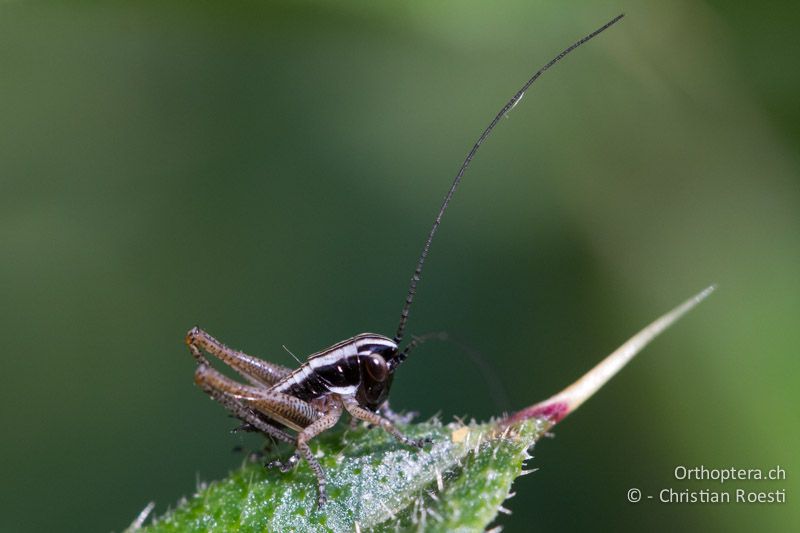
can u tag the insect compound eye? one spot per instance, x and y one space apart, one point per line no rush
376 368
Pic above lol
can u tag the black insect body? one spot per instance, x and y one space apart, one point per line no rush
356 367
354 375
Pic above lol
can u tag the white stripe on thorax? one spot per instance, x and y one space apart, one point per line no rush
344 391
295 378
334 357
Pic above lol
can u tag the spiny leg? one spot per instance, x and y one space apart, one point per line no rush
327 421
356 411
248 403
255 370
285 409
208 380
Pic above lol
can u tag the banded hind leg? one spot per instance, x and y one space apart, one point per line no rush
255 370
208 380
252 404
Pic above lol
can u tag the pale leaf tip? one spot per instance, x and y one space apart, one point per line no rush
559 406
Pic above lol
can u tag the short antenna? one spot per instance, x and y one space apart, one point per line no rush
412 288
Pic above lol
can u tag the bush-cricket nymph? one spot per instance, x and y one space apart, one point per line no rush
354 375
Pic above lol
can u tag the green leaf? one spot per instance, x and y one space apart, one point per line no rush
456 483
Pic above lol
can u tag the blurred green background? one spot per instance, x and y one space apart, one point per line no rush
268 171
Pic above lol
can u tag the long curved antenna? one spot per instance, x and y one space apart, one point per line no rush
412 288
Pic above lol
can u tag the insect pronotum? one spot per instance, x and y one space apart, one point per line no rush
353 375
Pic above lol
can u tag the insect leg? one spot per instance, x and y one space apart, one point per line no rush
326 421
356 411
208 380
255 370
285 409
